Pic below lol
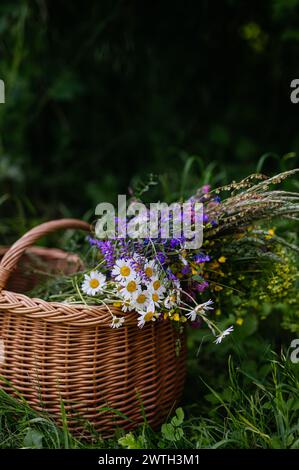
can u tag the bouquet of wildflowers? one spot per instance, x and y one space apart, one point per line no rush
162 279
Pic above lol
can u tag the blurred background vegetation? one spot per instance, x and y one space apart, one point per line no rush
97 97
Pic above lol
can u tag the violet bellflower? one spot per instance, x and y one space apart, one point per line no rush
200 287
201 258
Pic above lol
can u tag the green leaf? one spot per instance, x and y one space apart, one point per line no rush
129 441
197 278
178 434
179 418
33 439
168 431
276 442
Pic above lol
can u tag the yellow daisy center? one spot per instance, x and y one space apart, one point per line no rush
132 286
149 272
149 316
125 271
155 297
94 283
141 298
156 285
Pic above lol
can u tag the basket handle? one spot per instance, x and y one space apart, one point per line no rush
15 252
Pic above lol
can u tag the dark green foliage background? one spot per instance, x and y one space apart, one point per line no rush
99 92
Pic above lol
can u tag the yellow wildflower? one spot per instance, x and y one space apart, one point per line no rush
176 317
218 288
222 259
214 265
240 321
271 233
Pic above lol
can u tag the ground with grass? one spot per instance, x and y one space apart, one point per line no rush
231 400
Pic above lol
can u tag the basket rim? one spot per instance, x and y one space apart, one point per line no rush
41 250
59 312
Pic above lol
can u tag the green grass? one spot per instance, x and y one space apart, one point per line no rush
245 412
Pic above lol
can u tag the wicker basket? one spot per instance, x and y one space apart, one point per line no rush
54 353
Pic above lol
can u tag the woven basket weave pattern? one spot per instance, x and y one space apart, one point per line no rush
54 352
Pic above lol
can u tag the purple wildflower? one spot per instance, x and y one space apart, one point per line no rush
92 241
201 287
206 188
174 242
124 248
170 275
185 269
201 258
138 265
161 257
107 251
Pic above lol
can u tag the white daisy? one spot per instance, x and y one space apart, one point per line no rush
123 271
147 316
155 285
131 289
224 333
173 299
93 283
192 315
127 306
117 321
141 321
154 296
201 308
142 300
150 268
